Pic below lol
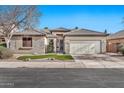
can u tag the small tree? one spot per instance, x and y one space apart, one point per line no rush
105 31
76 27
13 18
121 48
50 47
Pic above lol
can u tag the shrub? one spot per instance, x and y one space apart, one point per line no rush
3 44
122 50
5 53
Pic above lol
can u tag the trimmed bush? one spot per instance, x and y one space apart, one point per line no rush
3 44
5 53
122 50
50 47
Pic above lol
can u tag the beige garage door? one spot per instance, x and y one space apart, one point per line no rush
84 47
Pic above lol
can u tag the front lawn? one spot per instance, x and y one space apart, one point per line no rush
53 56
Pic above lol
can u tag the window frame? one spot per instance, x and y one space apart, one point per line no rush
27 42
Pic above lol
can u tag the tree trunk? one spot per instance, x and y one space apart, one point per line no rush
7 41
7 44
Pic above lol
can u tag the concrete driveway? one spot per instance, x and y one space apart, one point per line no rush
100 61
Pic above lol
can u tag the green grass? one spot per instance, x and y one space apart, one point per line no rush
55 56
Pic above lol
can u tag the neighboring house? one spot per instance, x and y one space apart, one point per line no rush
28 41
69 41
84 41
114 41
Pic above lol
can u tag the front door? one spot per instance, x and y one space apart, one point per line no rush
60 45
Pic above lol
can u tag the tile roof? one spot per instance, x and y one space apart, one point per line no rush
29 32
119 34
60 29
85 32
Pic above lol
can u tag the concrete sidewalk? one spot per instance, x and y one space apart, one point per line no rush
41 65
78 64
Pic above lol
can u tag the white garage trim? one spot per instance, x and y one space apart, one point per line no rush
85 47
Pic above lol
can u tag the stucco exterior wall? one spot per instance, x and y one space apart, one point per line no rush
38 44
68 39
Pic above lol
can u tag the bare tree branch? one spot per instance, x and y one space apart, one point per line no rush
21 17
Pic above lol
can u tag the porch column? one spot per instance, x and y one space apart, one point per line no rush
54 45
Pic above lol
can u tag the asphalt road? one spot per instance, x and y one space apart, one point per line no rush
61 78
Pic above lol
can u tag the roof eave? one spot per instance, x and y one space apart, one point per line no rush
59 30
29 34
83 35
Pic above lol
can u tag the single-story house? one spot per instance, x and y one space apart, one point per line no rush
114 41
69 41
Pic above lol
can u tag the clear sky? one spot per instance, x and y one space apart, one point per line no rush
92 17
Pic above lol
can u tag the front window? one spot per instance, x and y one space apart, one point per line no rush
27 42
61 35
3 40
